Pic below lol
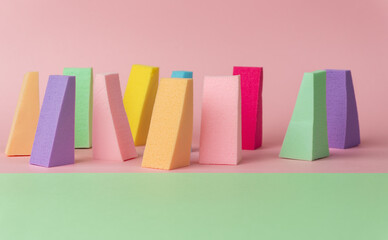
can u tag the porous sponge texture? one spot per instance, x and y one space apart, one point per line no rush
139 100
26 118
342 116
251 106
220 139
306 137
83 105
112 138
169 140
54 138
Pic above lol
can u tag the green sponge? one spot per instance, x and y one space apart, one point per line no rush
83 105
306 137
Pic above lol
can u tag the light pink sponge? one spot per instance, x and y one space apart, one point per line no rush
112 137
220 141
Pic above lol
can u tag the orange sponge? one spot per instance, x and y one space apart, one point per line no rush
26 118
169 139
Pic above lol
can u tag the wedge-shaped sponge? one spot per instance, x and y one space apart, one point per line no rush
182 74
342 116
169 140
25 119
220 140
83 105
251 106
54 138
139 100
112 137
306 137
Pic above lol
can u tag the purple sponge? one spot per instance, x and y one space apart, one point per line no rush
54 138
342 117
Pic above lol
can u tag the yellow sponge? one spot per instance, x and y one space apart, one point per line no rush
169 140
139 100
26 118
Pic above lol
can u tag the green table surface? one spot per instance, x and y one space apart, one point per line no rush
193 206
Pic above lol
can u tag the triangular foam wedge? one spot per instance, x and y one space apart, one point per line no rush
220 139
169 139
26 118
342 117
83 105
182 74
54 138
306 137
112 137
251 106
139 100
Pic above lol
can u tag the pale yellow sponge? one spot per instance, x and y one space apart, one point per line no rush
169 140
139 100
26 118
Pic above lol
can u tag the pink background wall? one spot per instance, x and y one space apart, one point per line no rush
287 38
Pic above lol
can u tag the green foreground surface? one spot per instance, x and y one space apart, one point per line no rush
193 206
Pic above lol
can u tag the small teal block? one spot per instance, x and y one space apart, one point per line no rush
182 74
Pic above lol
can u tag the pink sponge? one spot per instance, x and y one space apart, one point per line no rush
220 141
251 106
112 137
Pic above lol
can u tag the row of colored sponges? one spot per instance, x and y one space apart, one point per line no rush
70 114
152 113
325 115
160 115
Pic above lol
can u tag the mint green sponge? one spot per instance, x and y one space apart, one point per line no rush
306 137
83 105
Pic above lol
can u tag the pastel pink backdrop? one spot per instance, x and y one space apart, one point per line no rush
287 38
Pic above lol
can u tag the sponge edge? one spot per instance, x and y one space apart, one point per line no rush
182 74
83 105
220 139
251 106
21 137
342 116
54 138
139 100
169 140
306 137
112 137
